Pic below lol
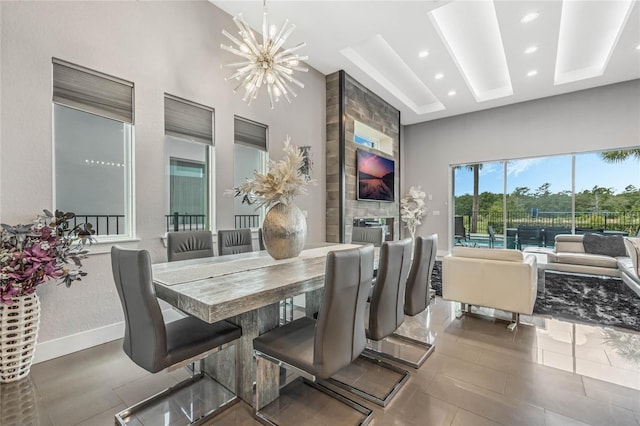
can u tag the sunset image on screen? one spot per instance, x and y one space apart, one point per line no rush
375 177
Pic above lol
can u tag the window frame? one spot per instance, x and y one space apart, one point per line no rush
129 154
209 160
264 159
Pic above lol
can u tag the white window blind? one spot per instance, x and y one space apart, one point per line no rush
250 133
87 90
188 120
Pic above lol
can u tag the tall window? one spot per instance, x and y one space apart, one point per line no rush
249 155
607 191
593 192
93 121
188 152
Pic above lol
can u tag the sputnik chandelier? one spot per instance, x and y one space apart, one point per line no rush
265 65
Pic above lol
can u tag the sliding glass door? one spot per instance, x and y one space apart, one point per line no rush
527 202
478 201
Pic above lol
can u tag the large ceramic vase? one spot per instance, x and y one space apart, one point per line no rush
284 231
19 325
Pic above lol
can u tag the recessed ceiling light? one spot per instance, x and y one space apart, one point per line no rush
529 17
531 49
439 76
451 93
638 47
532 73
423 53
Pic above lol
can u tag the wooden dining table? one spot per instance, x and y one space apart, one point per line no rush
245 289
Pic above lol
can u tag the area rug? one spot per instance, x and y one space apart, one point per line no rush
586 299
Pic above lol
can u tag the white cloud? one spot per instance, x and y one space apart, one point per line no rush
515 167
488 168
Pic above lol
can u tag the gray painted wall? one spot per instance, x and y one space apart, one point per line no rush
163 47
590 120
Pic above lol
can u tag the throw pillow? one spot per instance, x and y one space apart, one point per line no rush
607 245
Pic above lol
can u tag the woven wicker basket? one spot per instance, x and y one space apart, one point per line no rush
18 336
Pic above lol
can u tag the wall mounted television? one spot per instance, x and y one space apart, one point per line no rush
375 177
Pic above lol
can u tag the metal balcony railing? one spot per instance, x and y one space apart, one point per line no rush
177 222
247 221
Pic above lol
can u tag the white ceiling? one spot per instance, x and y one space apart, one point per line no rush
378 42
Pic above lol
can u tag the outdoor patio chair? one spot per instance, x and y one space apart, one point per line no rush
492 236
551 232
588 230
459 231
530 236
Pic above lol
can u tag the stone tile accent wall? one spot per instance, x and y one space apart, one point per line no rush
362 105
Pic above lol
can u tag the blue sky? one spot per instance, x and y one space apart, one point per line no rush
590 171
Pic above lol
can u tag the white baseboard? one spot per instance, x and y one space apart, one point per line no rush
87 339
77 342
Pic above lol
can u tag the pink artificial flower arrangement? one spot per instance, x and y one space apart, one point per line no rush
49 250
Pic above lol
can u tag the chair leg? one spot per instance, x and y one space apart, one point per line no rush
515 318
427 347
286 311
404 376
123 418
266 366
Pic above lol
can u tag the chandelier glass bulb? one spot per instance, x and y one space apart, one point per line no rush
264 64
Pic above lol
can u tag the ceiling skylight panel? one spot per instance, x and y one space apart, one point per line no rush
378 59
472 36
589 31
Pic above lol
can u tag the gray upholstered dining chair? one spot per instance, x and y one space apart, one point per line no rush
189 245
234 241
386 312
367 235
417 297
317 349
261 240
154 345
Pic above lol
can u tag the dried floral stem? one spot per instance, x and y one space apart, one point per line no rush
413 209
280 184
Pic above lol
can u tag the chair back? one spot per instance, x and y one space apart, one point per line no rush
550 233
459 231
386 313
189 245
340 336
261 240
416 297
529 235
588 230
367 235
145 336
234 241
492 233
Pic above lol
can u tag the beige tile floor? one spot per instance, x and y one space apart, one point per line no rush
547 372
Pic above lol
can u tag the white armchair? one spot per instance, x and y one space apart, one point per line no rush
500 279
